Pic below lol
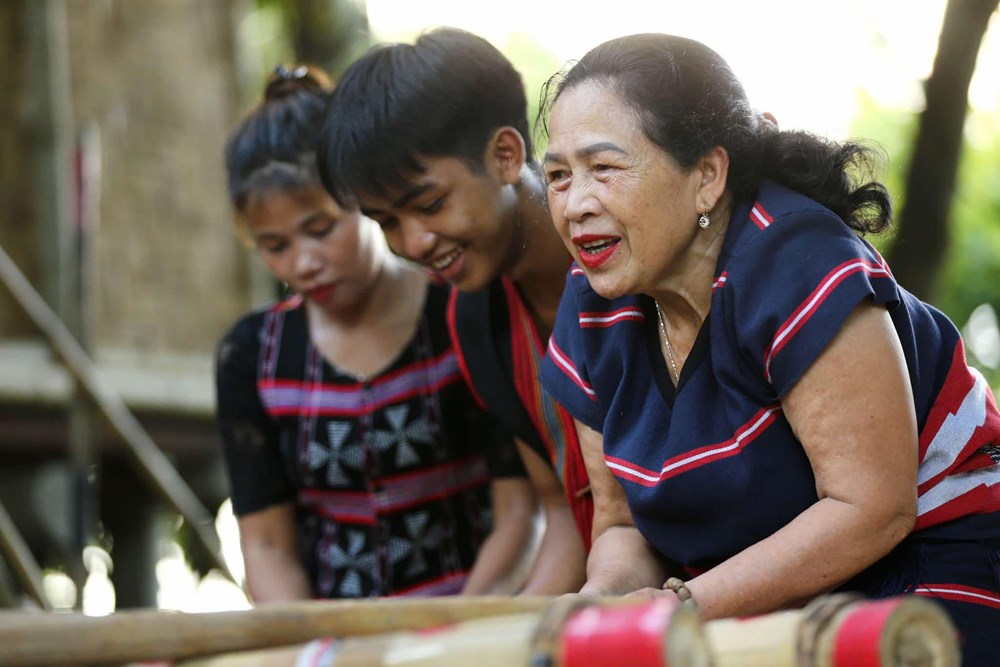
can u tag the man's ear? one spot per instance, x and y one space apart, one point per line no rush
505 154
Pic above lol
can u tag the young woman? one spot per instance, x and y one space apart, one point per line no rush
359 461
758 399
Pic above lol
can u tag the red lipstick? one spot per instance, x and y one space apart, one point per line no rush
595 249
321 293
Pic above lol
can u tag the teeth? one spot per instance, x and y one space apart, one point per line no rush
593 246
446 261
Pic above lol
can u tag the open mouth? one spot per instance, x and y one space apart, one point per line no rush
444 262
597 247
595 251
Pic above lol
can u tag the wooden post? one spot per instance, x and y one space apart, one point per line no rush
59 241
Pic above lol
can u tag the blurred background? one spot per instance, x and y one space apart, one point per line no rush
120 269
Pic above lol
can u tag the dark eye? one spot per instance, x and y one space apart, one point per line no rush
433 207
555 178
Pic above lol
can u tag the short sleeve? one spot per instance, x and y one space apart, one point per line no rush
250 438
564 369
792 288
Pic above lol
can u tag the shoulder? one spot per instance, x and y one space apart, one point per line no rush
777 215
246 333
780 233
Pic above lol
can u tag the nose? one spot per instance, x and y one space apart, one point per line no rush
308 261
580 201
413 240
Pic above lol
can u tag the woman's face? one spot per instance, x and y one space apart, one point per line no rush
624 208
451 219
327 254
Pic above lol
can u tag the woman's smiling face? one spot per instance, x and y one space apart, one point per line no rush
624 208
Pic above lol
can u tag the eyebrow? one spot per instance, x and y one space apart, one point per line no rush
312 217
408 195
412 193
587 151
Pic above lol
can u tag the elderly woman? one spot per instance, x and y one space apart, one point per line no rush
758 401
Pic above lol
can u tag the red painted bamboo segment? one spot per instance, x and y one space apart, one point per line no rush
657 634
840 631
897 632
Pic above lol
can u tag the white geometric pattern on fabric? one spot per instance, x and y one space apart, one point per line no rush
355 561
421 540
403 435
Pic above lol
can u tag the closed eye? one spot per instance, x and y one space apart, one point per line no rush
320 227
433 207
386 222
272 247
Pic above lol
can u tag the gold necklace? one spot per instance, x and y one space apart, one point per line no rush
666 343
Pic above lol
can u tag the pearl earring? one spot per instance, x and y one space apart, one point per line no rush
703 220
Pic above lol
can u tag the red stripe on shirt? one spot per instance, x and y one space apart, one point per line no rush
564 364
603 320
960 593
759 216
811 304
687 461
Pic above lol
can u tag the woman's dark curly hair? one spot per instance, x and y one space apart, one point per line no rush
689 101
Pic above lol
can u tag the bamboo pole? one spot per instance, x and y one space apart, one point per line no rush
74 639
833 631
15 550
637 633
148 457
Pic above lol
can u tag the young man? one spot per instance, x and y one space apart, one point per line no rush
432 139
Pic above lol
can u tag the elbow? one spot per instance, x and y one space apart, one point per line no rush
898 521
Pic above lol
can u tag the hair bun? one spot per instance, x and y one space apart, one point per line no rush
286 81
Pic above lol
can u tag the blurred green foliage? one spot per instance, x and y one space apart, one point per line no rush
971 273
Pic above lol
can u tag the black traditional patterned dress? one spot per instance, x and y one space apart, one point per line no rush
388 475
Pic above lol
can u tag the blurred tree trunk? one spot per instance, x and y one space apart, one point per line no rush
922 236
329 33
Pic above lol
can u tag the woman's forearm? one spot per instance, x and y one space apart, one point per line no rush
822 548
274 575
560 565
621 561
503 561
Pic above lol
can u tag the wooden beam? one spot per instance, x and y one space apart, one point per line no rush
16 551
151 461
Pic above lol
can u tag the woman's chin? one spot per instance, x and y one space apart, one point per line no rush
607 287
